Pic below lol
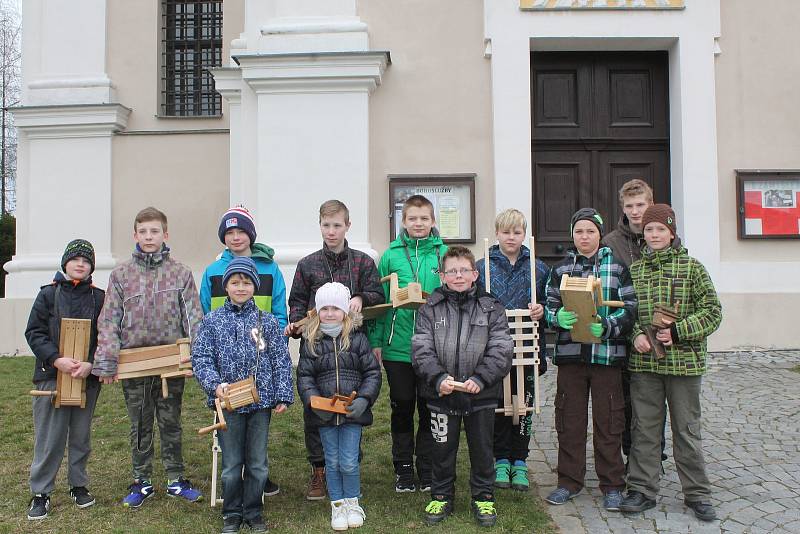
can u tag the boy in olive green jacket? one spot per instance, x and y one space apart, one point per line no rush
415 256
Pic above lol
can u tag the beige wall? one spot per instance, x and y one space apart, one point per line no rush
757 77
14 314
185 176
433 112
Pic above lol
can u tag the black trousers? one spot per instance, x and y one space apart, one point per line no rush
512 442
404 399
446 431
315 455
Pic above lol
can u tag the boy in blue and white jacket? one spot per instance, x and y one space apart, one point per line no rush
233 343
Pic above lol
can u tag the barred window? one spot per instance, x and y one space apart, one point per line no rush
191 44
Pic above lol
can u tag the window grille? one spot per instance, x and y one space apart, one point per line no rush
191 44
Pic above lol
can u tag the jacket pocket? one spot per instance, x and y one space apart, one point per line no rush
132 307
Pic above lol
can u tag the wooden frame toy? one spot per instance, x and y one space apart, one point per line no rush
235 396
523 329
74 341
336 404
583 296
663 317
164 361
300 325
410 297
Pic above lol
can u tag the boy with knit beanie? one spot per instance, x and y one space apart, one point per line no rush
220 359
70 295
590 367
666 275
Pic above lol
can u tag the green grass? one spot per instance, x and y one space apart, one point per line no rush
109 469
796 369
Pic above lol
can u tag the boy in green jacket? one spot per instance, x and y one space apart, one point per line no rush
667 275
415 256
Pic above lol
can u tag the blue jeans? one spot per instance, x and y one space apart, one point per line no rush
244 444
342 474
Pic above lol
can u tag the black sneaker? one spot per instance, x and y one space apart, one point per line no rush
81 496
438 509
256 524
425 480
231 524
404 479
39 507
702 510
270 488
484 511
636 501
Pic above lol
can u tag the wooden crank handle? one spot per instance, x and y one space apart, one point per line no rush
386 278
613 303
37 393
215 426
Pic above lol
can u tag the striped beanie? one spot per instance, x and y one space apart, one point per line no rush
237 217
242 265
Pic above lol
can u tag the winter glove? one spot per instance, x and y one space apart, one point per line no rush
357 408
322 414
596 329
566 319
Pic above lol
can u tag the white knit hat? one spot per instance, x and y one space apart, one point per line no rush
333 294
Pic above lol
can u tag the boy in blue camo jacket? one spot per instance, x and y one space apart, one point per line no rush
235 342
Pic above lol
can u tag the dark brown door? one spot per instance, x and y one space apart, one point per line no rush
599 120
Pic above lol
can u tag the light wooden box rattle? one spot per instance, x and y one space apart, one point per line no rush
583 296
73 343
160 360
235 396
336 404
409 297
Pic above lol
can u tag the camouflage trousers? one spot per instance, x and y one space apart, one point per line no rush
145 404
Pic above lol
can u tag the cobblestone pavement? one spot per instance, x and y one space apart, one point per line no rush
751 440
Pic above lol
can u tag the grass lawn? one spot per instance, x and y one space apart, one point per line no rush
109 468
796 369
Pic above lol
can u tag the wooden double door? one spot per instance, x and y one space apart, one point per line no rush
599 119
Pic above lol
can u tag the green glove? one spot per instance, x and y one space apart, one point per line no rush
596 329
566 319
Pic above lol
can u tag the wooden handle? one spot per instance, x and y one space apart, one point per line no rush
458 386
215 426
531 244
613 303
487 278
37 393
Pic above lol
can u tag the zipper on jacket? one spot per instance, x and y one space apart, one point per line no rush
391 330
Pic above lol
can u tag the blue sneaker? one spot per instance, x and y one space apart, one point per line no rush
560 496
183 488
139 491
612 500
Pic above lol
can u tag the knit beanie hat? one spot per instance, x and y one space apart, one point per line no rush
662 213
333 294
587 214
242 265
237 217
75 248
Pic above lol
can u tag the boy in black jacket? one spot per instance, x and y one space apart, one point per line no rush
72 296
461 336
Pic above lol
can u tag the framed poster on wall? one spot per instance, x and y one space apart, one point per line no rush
768 203
453 199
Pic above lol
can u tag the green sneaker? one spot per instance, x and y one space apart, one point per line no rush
519 478
484 512
502 472
438 510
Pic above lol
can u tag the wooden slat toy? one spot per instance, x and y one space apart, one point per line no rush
663 317
301 324
583 296
336 404
73 343
408 297
164 361
523 329
235 396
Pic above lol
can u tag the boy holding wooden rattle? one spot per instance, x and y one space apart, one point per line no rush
461 352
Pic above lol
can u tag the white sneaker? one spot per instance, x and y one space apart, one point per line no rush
339 515
355 514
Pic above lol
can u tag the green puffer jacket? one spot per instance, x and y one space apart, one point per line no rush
672 276
412 260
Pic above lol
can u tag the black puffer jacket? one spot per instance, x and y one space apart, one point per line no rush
60 299
464 335
357 370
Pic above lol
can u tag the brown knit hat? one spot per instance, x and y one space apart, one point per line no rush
660 213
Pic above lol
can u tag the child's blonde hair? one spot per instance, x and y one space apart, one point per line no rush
510 219
313 333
